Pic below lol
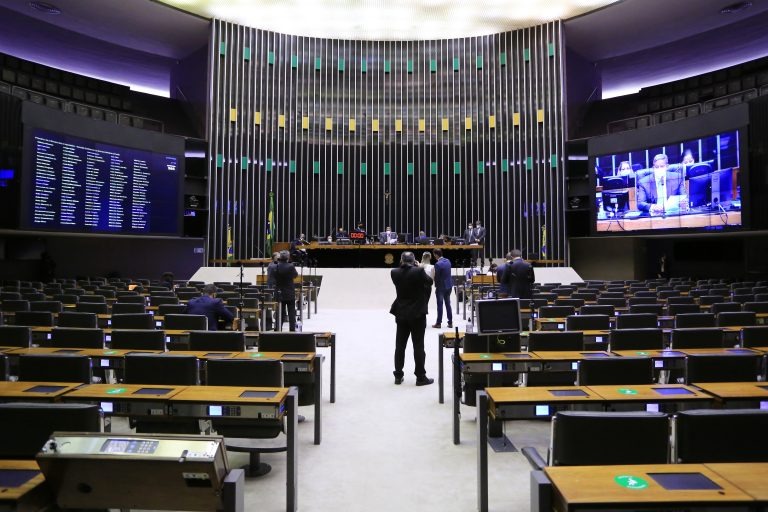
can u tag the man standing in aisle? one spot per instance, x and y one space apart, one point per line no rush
413 287
519 277
479 236
285 273
443 286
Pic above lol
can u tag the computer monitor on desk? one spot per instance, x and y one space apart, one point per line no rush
404 238
498 316
616 202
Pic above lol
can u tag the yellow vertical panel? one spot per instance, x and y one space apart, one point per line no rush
540 115
445 124
422 125
516 119
328 123
257 117
305 123
375 125
233 114
467 123
281 121
491 121
352 124
398 125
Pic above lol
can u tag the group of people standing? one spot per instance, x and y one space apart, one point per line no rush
413 284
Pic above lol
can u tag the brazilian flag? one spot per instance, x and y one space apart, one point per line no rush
230 247
270 238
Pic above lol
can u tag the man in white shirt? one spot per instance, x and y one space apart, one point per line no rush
654 189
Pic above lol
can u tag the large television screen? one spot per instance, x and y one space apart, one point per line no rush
90 176
691 184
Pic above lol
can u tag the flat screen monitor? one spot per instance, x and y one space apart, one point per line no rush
498 316
692 184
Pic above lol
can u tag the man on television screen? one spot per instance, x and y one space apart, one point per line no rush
661 191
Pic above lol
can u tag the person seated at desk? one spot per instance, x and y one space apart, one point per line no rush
341 233
625 169
388 236
422 239
662 190
210 307
167 280
361 229
688 158
298 252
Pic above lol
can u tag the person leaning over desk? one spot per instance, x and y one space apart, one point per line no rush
210 307
656 187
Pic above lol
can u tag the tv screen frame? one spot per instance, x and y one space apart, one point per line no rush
488 318
673 139
98 134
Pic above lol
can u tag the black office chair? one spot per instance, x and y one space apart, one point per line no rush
587 322
635 301
694 320
685 299
615 370
740 435
637 321
654 309
163 370
637 339
667 294
98 308
708 300
123 308
722 307
223 341
15 336
681 309
600 438
33 297
55 368
697 337
26 427
585 295
133 321
137 339
293 342
159 300
171 309
6 295
598 309
248 372
131 299
185 322
616 302
556 311
702 368
756 307
736 318
576 303
67 299
77 319
92 299
613 295
34 318
71 337
741 298
750 336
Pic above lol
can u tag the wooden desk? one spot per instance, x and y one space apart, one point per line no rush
750 477
668 398
11 391
378 255
30 494
589 487
698 220
737 394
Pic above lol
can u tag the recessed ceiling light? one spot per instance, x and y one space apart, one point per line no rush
734 8
45 7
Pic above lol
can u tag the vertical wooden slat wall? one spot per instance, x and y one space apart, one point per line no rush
416 135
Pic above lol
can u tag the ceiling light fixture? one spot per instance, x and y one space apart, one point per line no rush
45 7
734 8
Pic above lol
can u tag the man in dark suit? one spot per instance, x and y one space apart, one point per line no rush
501 276
469 234
653 189
443 286
478 234
285 273
298 251
209 306
413 286
519 276
388 236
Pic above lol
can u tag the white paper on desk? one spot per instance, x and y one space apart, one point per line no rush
673 202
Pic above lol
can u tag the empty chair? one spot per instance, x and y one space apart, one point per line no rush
721 307
72 337
15 336
617 302
576 303
633 301
740 435
702 337
137 339
613 295
585 295
171 309
186 296
694 320
667 294
708 300
4 295
587 322
67 299
644 294
228 341
185 322
654 309
600 438
752 336
55 368
122 308
99 308
555 341
133 321
556 311
637 321
293 342
159 300
77 319
131 299
98 299
34 318
741 298
761 297
756 307
563 292
681 300
549 297
637 339
26 427
598 309
702 368
736 318
33 297
615 370
678 309
108 294
13 305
